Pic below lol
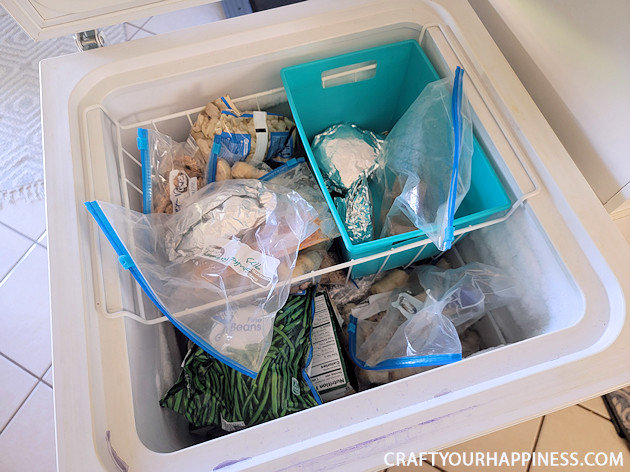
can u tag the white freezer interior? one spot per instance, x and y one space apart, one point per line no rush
550 299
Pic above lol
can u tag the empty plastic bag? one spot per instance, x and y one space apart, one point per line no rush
425 165
219 269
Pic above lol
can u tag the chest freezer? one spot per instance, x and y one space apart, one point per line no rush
566 340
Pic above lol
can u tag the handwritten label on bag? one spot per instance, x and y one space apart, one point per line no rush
180 188
258 267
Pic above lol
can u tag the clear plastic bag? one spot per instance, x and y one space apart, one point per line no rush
421 321
219 269
232 136
425 165
296 175
469 291
172 172
410 334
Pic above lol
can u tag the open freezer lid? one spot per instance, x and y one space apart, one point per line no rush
45 19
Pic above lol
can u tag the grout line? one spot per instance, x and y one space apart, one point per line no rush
19 407
135 32
14 267
38 377
149 32
435 467
18 231
540 426
594 412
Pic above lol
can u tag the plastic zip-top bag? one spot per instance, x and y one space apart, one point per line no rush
418 324
296 174
172 172
208 393
220 268
426 163
255 137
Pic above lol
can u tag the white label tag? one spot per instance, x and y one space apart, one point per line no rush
373 305
262 138
407 304
180 188
231 426
258 267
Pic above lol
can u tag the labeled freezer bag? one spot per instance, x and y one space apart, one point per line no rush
295 174
220 268
425 166
210 394
418 324
172 172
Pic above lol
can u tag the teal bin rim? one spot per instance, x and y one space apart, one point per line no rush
382 244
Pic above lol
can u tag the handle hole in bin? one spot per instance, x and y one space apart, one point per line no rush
351 73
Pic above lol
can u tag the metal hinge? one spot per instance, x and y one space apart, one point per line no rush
91 39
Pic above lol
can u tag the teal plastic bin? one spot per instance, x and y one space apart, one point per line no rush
376 103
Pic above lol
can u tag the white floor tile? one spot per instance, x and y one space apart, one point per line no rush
577 430
185 18
520 437
25 313
44 241
12 246
15 385
28 442
49 376
27 218
597 405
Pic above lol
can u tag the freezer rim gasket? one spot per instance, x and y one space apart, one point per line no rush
485 91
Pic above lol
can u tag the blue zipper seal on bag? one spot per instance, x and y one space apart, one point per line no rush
399 362
456 111
290 164
145 162
128 263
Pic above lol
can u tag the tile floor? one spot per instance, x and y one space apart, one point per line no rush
26 394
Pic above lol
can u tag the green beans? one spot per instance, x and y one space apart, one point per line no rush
207 390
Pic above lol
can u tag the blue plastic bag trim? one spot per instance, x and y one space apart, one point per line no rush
145 162
245 115
111 235
211 171
456 111
290 164
399 362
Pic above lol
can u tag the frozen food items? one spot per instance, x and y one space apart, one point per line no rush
296 174
344 152
220 268
209 393
421 320
172 172
226 135
355 209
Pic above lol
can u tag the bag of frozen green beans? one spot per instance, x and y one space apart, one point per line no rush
211 394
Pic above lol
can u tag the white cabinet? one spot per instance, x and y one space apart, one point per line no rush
568 338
